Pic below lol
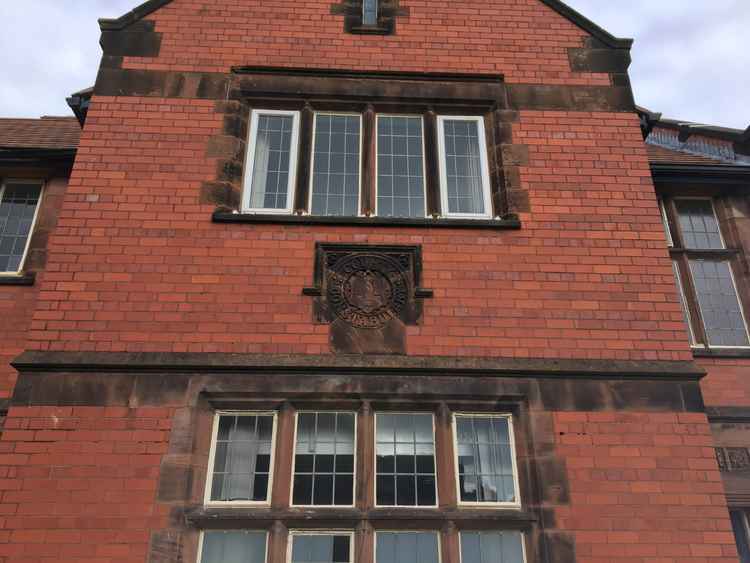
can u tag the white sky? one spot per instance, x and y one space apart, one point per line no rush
690 61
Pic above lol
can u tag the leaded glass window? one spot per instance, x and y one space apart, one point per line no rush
486 465
324 459
400 167
719 304
321 547
269 183
405 460
463 165
407 547
242 458
233 547
18 208
369 12
492 547
336 165
698 224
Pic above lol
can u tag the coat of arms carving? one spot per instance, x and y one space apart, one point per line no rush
368 294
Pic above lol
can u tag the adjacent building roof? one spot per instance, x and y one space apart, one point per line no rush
52 133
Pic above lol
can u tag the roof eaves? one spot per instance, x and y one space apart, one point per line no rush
560 7
134 15
588 26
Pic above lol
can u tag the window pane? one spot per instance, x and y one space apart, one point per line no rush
407 547
485 462
698 224
242 458
463 167
335 189
400 167
234 547
405 460
271 162
17 210
324 459
370 12
739 526
491 547
321 548
719 304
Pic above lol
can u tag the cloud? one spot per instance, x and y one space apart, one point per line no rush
690 59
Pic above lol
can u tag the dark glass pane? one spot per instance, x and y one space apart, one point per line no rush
426 490
304 463
405 464
344 464
386 464
260 488
324 464
323 489
217 488
220 458
302 489
341 549
344 490
263 463
406 494
386 490
425 464
468 485
739 526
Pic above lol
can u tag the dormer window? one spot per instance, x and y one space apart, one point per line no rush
369 12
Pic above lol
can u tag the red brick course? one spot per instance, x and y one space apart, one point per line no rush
727 383
645 488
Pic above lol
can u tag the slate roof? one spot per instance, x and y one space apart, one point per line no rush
43 133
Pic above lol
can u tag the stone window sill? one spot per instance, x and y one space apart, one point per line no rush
26 278
721 353
509 222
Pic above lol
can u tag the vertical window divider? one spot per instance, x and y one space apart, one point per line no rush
367 205
277 543
431 156
365 484
445 457
450 550
304 161
283 466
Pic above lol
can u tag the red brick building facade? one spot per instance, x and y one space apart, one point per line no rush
490 365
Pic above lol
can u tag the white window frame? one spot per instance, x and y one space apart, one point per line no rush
319 532
377 160
514 462
202 536
294 462
212 454
460 547
486 187
436 533
684 305
665 223
375 464
250 162
31 182
312 161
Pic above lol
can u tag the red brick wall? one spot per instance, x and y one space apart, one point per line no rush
523 39
78 484
137 265
644 488
727 383
17 303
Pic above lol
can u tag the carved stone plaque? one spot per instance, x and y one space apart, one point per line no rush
368 294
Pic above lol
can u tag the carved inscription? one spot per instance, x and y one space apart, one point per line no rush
733 459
